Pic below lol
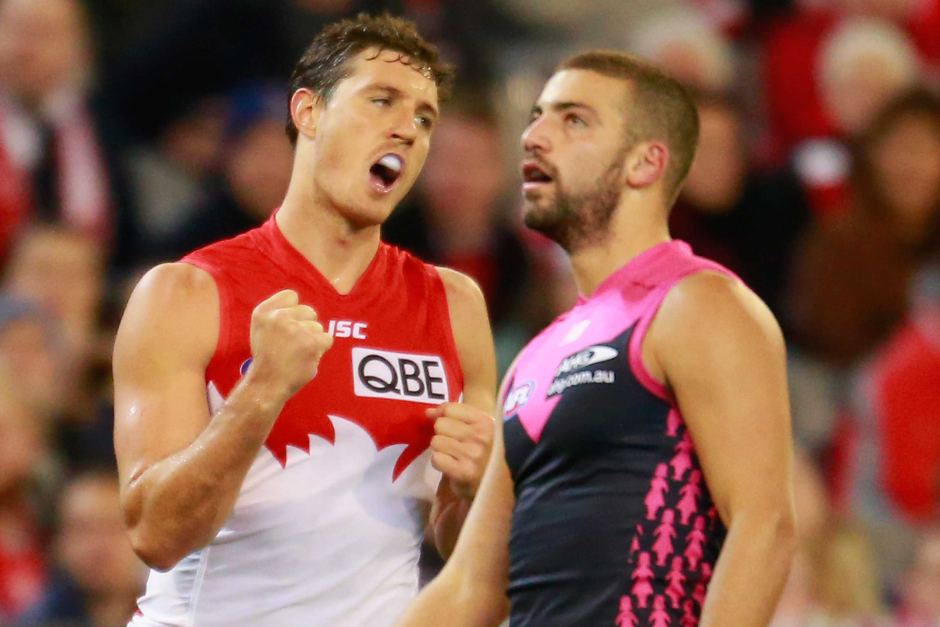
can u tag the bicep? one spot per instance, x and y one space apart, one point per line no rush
723 356
166 338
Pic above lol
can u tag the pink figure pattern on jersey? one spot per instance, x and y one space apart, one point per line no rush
635 543
642 575
689 619
659 617
694 541
626 617
655 498
664 533
676 579
673 422
699 593
690 492
683 459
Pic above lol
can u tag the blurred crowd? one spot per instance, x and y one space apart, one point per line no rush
133 131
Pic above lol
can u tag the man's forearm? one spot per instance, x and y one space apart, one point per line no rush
447 519
750 573
178 504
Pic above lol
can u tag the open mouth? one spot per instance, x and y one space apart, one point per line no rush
385 172
533 173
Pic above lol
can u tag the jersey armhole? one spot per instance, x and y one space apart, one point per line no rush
647 315
635 348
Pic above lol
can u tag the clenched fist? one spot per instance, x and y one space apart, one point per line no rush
287 341
460 448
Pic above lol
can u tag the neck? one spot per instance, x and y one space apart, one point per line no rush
631 232
339 249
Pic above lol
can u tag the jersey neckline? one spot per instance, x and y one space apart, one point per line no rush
637 268
277 247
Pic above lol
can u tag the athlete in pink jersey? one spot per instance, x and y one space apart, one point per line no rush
286 400
591 492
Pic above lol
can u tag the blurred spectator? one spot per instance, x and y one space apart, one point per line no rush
31 351
920 602
680 40
98 576
818 51
849 588
62 271
892 444
459 217
255 159
851 277
56 149
168 176
747 221
23 451
863 64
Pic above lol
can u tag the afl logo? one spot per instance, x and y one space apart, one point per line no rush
518 396
243 369
401 376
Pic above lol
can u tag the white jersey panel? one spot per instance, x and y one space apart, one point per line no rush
328 540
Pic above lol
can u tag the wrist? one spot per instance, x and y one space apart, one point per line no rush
267 393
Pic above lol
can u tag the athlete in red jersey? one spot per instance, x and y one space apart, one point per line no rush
282 398
642 474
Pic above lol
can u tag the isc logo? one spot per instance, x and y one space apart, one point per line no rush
347 328
402 376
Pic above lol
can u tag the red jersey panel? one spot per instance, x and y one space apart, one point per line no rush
393 354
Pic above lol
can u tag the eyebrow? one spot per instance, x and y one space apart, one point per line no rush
423 105
565 105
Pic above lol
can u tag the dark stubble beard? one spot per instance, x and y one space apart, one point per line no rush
579 220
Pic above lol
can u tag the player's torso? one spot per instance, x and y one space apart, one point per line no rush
604 473
327 526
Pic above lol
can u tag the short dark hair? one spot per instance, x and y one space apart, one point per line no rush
326 61
659 107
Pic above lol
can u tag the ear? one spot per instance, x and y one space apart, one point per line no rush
646 164
305 109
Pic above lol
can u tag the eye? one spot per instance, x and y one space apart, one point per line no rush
574 120
381 102
424 121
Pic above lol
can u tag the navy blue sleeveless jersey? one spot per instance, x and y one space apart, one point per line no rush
613 523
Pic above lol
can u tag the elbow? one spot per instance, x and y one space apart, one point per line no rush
154 553
771 531
784 538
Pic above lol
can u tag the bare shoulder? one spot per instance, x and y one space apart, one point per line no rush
176 284
708 309
463 293
171 302
470 324
707 298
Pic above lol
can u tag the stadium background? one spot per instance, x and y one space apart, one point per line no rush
134 131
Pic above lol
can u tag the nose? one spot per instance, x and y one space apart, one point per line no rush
535 138
405 129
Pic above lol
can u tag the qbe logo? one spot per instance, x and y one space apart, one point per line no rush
401 376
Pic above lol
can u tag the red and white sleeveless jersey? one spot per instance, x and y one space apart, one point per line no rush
327 527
